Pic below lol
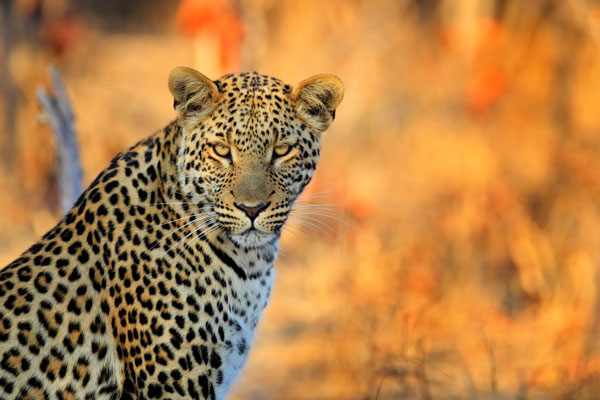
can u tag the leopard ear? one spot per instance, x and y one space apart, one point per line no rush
194 94
317 98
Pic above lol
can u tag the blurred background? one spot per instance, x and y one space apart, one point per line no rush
454 248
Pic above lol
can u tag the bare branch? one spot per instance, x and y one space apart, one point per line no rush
60 115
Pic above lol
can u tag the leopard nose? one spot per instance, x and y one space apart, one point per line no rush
252 211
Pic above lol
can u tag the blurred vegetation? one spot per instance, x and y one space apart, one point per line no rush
455 250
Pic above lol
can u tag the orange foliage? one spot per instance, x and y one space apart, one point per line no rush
487 86
62 33
214 18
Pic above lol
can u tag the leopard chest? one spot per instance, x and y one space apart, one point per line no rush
204 326
227 316
247 301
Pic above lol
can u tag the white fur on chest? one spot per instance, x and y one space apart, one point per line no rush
245 310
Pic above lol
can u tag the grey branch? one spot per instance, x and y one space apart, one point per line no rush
60 115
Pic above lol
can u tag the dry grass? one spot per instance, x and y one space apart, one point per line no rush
464 163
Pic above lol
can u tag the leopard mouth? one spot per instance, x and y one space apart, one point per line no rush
253 237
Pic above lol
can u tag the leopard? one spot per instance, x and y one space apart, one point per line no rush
153 284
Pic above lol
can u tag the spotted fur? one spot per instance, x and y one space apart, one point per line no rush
153 284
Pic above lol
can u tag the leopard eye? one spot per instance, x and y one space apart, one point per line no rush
221 150
282 150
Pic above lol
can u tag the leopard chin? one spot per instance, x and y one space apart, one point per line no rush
254 238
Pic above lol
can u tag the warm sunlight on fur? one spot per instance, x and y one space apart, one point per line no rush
448 246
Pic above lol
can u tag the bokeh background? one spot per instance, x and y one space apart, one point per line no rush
454 248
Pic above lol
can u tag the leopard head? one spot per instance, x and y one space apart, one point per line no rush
250 144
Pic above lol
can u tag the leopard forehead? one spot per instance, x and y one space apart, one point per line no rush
255 110
252 81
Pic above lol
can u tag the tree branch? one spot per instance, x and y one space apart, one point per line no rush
60 115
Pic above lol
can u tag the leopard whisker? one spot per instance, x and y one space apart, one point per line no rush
203 225
317 205
203 233
293 229
322 193
199 235
313 219
179 219
325 212
303 223
282 253
320 214
173 231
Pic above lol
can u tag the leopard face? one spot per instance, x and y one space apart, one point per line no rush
250 144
